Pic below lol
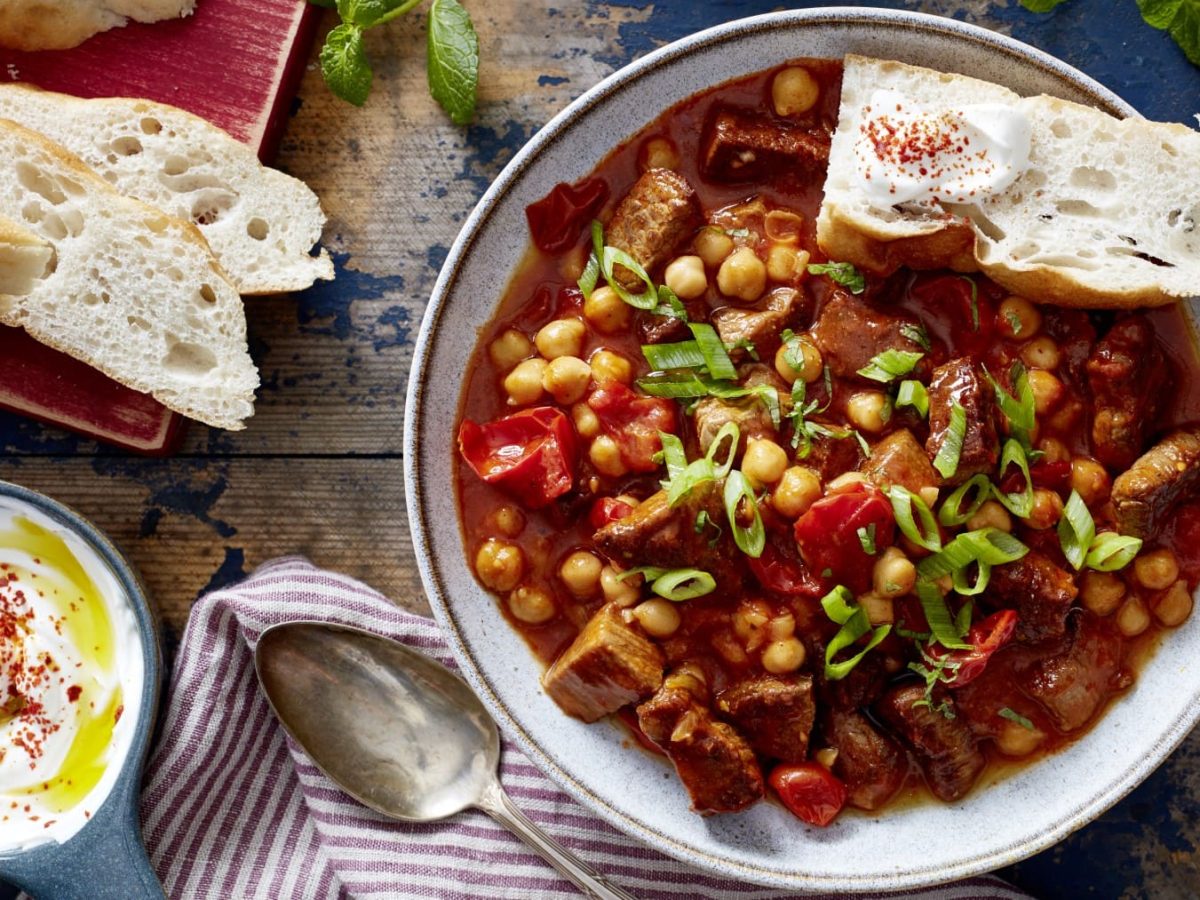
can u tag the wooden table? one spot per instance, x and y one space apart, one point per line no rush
318 471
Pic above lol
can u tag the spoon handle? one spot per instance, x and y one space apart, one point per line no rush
497 804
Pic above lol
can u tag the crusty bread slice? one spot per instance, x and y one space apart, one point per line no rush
24 258
260 223
59 24
128 289
1107 214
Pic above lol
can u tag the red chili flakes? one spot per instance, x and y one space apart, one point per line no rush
73 692
24 680
118 713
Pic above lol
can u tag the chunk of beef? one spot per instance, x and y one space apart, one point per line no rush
899 459
959 381
849 331
1166 475
760 327
1127 373
945 748
657 534
870 764
1041 593
775 714
832 456
658 213
1073 684
742 144
714 762
609 664
655 329
750 414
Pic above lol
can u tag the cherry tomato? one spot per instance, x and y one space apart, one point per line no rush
985 639
607 509
781 572
633 421
951 297
529 455
1053 476
628 715
557 220
809 791
829 540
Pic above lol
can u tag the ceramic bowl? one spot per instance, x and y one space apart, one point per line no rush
918 845
105 859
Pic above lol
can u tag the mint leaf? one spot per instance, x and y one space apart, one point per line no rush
366 13
344 64
1179 18
1041 6
453 64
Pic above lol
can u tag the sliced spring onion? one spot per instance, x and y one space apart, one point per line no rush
697 472
974 301
681 355
744 344
669 304
673 454
716 359
962 622
985 545
941 626
591 274
946 461
971 588
753 538
913 393
862 443
904 502
839 605
1014 716
839 608
1018 409
683 584
676 384
1111 551
953 512
891 364
703 521
728 432
917 334
651 573
764 393
842 273
866 537
1019 503
1076 530
682 480
612 258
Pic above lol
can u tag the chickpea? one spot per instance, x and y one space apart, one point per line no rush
659 618
1047 390
1047 510
562 337
1041 353
784 263
605 456
607 312
1054 450
845 480
731 651
764 461
659 153
1068 413
686 277
580 572
609 366
499 565
621 592
587 423
781 627
798 489
794 91
811 361
524 383
507 519
566 379
1156 570
879 609
509 349
1019 318
572 264
784 656
1091 480
894 574
1015 739
826 756
869 410
1173 606
712 245
531 605
1133 618
990 515
1101 592
929 494
742 275
749 621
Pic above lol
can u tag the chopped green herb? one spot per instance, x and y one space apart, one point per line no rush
889 365
841 609
744 344
974 301
866 537
827 573
917 334
862 443
1014 716
840 273
703 521
935 670
1014 322
1019 409
913 393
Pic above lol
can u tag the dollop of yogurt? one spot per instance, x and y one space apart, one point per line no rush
71 674
905 153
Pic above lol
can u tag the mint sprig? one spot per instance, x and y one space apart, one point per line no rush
1179 18
453 52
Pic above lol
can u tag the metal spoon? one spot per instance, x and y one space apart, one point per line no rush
398 732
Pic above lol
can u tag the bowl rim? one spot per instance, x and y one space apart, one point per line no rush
420 526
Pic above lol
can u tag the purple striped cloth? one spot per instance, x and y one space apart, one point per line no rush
233 809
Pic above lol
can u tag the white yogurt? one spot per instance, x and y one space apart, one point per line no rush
907 154
71 675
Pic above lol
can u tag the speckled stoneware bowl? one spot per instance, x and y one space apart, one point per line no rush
105 859
904 848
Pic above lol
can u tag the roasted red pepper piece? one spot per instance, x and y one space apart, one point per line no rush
809 791
950 296
557 220
828 537
985 639
633 422
529 455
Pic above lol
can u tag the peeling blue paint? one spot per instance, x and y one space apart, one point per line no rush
232 569
551 80
186 487
435 256
492 147
391 329
325 307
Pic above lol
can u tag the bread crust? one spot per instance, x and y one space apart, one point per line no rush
62 24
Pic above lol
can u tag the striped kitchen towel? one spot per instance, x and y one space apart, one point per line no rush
232 809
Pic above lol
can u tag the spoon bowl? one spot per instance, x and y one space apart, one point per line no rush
397 731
